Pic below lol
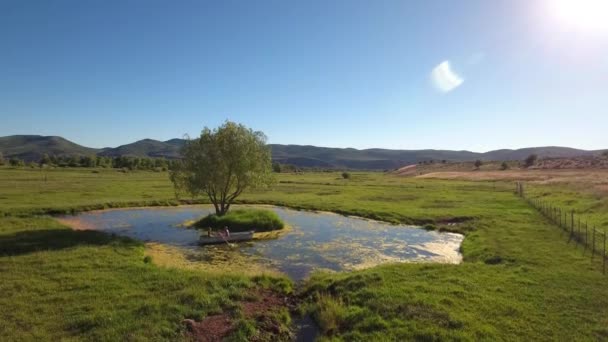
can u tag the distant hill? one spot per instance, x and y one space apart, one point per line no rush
146 148
375 159
32 147
542 152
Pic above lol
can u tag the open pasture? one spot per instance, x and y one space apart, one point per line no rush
520 278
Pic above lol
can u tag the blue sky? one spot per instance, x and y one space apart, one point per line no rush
331 73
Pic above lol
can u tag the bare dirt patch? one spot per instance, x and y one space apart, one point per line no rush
217 327
75 223
594 180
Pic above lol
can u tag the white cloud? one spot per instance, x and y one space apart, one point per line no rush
444 79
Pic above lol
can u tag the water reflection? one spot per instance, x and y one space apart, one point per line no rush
316 240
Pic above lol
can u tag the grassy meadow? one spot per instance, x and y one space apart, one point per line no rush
520 279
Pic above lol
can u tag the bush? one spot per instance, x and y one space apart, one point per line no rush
243 220
478 163
345 175
429 226
530 160
504 166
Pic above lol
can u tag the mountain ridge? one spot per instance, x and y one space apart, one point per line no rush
33 147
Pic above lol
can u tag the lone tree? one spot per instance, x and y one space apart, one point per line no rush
222 163
504 166
478 163
530 160
1 159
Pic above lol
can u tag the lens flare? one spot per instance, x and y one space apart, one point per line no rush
588 15
444 79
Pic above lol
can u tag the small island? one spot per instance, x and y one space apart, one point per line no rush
242 220
242 224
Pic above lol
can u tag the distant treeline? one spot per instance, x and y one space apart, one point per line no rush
129 163
122 162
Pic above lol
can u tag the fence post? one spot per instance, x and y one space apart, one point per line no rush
604 255
586 235
593 244
572 222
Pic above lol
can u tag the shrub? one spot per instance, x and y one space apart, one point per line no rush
345 175
530 160
276 167
429 226
16 162
243 220
478 163
504 166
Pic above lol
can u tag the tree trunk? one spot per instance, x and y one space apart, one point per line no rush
222 209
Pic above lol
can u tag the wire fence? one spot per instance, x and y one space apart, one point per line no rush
580 231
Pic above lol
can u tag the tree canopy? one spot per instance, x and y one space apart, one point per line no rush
222 163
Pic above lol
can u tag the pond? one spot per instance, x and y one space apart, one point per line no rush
313 241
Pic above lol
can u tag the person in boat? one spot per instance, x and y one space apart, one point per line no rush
226 232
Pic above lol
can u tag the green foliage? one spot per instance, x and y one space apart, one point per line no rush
478 163
243 220
530 160
244 330
276 167
45 160
504 166
223 163
15 162
345 175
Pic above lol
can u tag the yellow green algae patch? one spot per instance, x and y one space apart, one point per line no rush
220 260
274 234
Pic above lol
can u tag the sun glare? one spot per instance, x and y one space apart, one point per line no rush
589 15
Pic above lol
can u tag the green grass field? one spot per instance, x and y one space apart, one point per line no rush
520 280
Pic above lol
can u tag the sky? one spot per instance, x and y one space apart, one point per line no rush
460 75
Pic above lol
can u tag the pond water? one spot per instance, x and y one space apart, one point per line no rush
314 240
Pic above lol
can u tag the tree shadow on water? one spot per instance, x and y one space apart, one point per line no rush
30 241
